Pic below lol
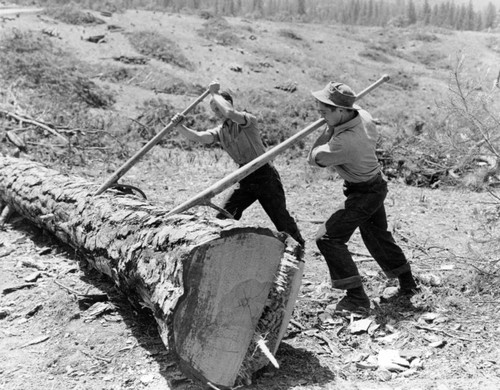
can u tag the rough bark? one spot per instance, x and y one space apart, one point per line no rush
215 287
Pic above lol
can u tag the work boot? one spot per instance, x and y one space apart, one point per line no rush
355 301
407 285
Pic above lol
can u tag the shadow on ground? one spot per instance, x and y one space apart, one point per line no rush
297 366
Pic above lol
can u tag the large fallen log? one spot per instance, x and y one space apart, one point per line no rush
221 292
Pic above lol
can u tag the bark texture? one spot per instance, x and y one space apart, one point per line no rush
215 287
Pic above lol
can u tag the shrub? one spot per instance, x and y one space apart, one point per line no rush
424 36
150 43
71 15
156 114
220 31
47 74
375 56
287 33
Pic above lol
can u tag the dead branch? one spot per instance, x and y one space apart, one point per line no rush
4 216
430 329
35 123
95 297
331 346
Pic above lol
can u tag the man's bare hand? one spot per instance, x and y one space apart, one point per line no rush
178 119
214 87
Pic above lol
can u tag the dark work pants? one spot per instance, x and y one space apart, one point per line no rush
265 186
363 209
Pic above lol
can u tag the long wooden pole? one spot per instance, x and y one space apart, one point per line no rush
131 162
205 196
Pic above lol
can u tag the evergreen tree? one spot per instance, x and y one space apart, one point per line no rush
258 7
426 13
301 7
412 13
435 20
490 16
469 17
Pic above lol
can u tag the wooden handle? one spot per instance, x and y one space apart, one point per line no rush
381 80
233 178
131 162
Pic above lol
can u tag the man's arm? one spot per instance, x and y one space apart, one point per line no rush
225 107
204 137
322 140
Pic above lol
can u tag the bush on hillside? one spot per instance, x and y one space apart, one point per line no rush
48 75
280 115
45 83
460 147
151 44
290 34
473 123
155 116
70 14
375 56
219 31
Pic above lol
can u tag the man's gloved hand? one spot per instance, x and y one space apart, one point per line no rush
178 119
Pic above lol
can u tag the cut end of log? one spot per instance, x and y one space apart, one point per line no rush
229 284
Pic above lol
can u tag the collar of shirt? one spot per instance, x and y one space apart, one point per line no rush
347 125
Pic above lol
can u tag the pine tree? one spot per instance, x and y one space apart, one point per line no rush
426 13
490 16
412 13
301 7
469 18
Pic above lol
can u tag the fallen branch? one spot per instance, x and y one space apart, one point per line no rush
37 340
444 332
8 290
94 297
97 357
328 342
35 123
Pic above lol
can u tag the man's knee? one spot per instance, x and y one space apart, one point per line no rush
324 242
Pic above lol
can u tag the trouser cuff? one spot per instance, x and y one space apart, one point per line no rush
347 283
394 273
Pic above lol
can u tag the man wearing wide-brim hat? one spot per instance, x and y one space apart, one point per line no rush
348 145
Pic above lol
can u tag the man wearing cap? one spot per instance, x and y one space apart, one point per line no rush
239 136
348 145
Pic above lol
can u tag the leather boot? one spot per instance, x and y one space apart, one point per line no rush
355 301
407 284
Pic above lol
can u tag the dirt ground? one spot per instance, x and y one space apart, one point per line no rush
54 336
63 326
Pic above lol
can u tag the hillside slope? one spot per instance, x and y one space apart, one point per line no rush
50 338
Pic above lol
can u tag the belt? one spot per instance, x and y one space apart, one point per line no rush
372 180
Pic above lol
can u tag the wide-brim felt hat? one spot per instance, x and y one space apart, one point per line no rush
338 95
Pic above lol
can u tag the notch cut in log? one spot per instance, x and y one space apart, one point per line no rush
215 287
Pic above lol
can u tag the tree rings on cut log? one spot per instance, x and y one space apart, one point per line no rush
221 292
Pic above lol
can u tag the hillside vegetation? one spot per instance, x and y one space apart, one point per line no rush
448 78
83 90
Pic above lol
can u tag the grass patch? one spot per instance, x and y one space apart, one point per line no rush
151 44
69 14
375 55
290 34
423 36
49 77
156 114
219 31
280 115
49 85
